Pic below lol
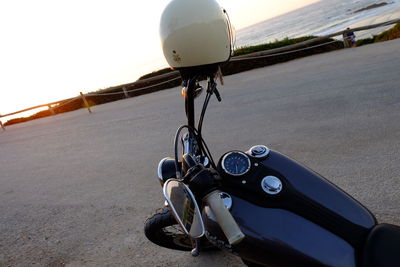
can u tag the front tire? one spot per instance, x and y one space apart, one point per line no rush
163 230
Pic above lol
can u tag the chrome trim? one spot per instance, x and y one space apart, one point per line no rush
258 151
206 161
235 152
186 144
159 170
271 185
226 199
196 207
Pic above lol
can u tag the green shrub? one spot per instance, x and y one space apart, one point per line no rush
390 34
277 44
365 41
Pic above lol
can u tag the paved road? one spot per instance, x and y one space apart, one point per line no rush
76 188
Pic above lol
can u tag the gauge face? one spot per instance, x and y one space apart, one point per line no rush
236 163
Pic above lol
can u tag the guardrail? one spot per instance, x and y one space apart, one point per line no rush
84 97
174 75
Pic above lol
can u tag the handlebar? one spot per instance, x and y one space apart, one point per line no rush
204 183
224 218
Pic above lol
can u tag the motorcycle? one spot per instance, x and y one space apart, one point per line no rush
260 205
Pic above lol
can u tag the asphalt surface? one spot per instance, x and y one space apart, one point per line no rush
76 188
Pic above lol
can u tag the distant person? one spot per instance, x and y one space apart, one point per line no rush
350 37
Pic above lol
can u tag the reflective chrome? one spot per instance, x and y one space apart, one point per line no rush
227 199
189 144
258 151
159 170
271 185
206 161
184 207
198 90
186 144
235 152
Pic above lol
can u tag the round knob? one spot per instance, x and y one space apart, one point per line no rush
271 185
259 151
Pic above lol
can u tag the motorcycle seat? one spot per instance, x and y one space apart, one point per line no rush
382 247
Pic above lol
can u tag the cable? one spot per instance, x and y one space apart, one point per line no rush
208 154
176 142
200 125
203 111
138 89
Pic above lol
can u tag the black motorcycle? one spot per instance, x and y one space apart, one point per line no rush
261 205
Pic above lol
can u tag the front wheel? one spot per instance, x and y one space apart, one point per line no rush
162 229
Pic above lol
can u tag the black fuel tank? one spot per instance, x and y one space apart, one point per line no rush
310 219
318 189
277 237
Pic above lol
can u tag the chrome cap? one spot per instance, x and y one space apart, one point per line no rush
271 185
258 151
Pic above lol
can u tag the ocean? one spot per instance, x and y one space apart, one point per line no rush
318 19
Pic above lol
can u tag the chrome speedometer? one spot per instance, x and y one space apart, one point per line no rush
235 163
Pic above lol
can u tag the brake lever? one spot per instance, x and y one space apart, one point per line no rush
213 90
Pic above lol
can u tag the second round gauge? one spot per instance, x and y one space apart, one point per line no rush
236 163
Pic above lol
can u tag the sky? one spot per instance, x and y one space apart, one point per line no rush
52 49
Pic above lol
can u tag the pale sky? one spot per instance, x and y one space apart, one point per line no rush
52 49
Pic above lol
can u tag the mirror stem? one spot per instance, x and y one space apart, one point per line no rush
196 250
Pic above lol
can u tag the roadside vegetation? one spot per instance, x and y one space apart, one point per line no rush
392 33
272 45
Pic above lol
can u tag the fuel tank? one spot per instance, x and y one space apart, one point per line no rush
291 216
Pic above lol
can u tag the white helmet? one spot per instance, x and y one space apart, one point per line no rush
195 33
